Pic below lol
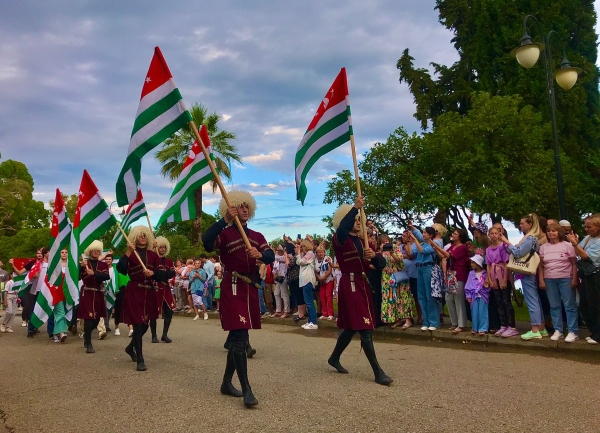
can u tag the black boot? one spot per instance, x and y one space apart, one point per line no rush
367 345
131 351
88 327
250 352
153 331
166 326
241 366
227 387
343 341
228 345
138 333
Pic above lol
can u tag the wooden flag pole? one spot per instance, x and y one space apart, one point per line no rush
151 231
218 180
132 246
363 221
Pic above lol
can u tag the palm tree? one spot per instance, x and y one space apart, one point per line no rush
175 149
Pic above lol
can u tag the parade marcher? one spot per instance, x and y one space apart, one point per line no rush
139 301
240 309
164 296
92 302
29 298
356 312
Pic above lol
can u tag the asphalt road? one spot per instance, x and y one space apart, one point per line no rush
51 387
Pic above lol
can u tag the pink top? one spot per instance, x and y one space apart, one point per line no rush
557 259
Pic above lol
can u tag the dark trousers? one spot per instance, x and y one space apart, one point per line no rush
589 303
494 321
28 303
504 306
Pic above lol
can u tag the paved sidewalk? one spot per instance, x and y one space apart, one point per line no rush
444 334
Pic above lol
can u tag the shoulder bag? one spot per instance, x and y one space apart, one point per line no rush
586 267
527 267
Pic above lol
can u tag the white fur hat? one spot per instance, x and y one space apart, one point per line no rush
135 233
339 215
162 241
238 198
94 246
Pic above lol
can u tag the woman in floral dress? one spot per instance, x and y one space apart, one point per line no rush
397 302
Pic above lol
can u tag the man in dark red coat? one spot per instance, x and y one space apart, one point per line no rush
356 312
240 309
92 301
139 301
164 296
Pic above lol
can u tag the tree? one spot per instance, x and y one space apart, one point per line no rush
24 243
176 148
493 160
484 33
70 204
18 210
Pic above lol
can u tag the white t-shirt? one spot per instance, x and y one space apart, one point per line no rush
322 266
42 277
8 287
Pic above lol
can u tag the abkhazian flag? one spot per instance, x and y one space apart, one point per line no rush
43 305
134 212
195 173
18 284
160 114
92 219
330 128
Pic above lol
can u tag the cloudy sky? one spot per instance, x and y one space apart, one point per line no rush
71 73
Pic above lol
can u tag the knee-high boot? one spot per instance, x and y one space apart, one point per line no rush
250 352
88 328
153 331
227 387
166 326
241 365
343 341
228 345
366 338
138 333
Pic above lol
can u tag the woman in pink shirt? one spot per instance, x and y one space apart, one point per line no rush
558 275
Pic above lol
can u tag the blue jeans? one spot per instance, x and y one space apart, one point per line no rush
429 307
532 299
307 290
559 289
479 314
261 300
210 294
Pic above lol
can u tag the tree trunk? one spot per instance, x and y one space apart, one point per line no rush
197 224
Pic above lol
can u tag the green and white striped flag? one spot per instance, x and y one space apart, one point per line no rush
19 284
51 292
160 114
195 173
330 128
92 219
135 211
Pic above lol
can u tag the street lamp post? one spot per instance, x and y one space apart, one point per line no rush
527 55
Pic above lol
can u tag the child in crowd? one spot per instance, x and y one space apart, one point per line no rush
218 279
498 280
477 294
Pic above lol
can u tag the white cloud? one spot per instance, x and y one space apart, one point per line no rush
264 158
294 133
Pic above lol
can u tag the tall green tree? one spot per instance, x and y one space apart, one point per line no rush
175 149
485 31
18 209
492 160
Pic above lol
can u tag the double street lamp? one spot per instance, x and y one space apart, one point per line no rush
566 77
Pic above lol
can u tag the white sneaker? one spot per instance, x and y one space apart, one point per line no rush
588 338
130 332
9 330
56 339
304 326
295 314
311 326
23 323
197 317
117 332
330 318
556 336
424 328
2 328
571 337
591 341
323 318
205 316
431 328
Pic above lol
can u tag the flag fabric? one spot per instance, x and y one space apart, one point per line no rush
18 285
330 128
160 114
134 212
51 291
30 278
92 219
195 173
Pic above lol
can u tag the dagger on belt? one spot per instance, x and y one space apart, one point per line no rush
245 279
